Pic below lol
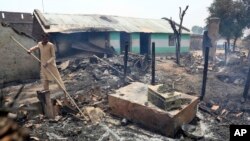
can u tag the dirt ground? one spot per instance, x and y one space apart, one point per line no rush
89 84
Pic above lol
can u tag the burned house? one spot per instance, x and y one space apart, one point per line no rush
19 21
98 33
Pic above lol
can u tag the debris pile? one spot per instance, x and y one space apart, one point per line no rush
235 70
90 80
10 130
195 64
107 74
235 63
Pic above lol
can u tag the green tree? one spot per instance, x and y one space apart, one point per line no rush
233 15
247 6
222 9
197 30
240 20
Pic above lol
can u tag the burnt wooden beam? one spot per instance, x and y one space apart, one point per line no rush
45 100
246 88
226 52
204 81
126 60
153 64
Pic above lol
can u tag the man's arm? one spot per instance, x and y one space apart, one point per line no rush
53 55
33 49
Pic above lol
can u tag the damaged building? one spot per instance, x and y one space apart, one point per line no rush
19 21
103 34
13 68
118 78
18 25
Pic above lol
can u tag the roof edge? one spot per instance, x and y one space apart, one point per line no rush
41 18
12 12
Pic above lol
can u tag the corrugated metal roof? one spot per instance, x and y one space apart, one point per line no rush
68 23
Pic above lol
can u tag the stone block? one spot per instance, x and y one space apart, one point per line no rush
131 102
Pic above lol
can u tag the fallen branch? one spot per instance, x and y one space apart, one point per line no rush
16 96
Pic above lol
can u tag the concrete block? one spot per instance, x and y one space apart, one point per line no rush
166 101
131 102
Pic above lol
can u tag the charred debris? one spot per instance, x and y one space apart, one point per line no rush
100 77
91 79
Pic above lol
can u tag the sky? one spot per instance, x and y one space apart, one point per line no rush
156 9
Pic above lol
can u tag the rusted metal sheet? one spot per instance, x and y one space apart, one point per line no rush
131 102
68 23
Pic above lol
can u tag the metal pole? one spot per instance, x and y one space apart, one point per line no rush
43 6
125 60
246 88
153 64
58 82
204 82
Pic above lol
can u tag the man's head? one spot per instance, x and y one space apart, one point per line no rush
45 39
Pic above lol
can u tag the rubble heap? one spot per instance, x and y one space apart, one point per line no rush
90 80
86 70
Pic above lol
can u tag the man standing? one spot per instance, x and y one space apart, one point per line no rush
47 54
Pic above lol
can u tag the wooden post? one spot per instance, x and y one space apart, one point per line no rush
248 55
226 52
209 41
246 88
125 60
45 100
204 82
153 64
